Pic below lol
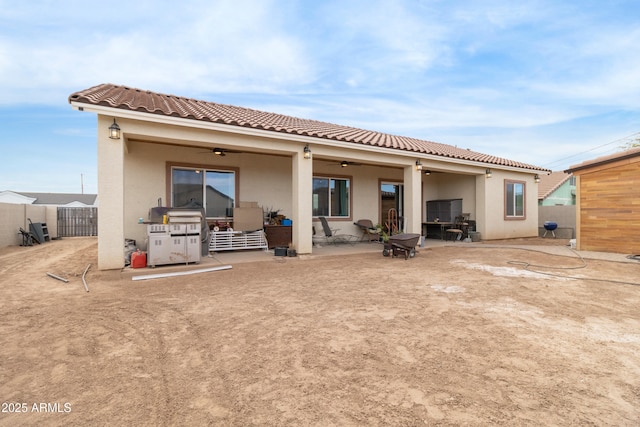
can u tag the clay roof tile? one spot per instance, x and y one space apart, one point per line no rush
123 97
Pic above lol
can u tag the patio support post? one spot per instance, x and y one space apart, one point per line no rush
412 199
482 207
111 191
302 187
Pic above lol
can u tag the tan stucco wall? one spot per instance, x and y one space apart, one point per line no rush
133 176
365 186
439 186
14 216
493 225
262 178
112 216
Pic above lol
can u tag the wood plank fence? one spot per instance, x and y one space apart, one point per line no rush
73 222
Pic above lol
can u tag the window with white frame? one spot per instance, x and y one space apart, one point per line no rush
331 197
213 189
514 199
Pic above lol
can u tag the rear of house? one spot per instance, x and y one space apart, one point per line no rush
171 150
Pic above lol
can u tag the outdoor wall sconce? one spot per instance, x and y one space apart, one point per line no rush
427 172
307 152
418 165
536 178
114 130
488 173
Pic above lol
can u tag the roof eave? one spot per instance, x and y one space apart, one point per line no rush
604 161
305 139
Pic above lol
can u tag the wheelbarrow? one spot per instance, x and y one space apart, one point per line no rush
404 244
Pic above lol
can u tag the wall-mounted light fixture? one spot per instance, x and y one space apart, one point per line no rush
114 130
344 163
307 152
427 172
536 178
488 173
418 165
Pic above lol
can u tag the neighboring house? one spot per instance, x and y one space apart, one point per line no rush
69 200
150 144
557 189
608 203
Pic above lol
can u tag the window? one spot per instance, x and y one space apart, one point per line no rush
213 189
331 197
514 199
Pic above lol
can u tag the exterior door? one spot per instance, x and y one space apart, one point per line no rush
392 197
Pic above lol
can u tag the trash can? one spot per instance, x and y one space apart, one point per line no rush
475 236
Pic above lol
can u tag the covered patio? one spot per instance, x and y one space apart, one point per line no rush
153 148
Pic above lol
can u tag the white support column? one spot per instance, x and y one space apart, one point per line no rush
302 187
412 200
481 205
111 193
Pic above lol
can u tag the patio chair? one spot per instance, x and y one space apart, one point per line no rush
459 229
331 235
369 232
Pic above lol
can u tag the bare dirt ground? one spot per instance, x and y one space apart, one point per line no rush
455 336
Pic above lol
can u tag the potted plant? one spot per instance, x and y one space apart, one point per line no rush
385 241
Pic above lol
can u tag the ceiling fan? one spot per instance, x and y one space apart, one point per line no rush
220 151
345 164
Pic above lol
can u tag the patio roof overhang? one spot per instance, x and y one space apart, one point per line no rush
366 154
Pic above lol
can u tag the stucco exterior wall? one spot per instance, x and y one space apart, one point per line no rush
133 175
564 216
366 201
265 179
450 186
493 224
261 178
13 216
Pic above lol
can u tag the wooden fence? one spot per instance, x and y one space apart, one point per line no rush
73 222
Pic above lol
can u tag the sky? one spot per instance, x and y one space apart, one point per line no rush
548 83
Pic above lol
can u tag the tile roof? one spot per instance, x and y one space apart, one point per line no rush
122 97
60 198
550 183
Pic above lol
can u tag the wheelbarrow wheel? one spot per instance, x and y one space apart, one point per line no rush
386 252
412 253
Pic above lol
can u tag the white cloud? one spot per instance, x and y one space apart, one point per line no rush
226 46
495 76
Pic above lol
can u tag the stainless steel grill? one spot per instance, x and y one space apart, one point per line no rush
176 242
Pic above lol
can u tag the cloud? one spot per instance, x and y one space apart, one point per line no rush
223 47
494 76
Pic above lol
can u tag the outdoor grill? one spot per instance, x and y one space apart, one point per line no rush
550 226
177 241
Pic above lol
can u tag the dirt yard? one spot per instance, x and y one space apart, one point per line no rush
456 336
